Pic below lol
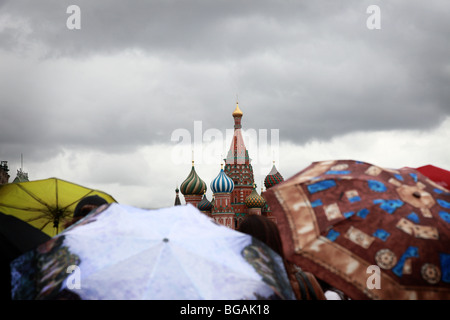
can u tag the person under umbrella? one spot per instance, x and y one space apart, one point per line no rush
304 284
46 204
16 238
84 207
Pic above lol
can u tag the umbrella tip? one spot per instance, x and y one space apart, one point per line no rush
166 240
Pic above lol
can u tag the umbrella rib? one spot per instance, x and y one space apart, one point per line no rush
45 224
56 193
34 196
114 263
24 208
36 218
209 259
187 275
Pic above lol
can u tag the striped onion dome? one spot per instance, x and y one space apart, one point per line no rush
204 205
273 178
193 185
254 200
222 183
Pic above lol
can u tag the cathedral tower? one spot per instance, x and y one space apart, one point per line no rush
238 167
273 178
222 212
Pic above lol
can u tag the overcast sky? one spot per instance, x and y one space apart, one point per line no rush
102 105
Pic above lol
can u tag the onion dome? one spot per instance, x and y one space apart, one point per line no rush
222 183
237 112
204 205
193 185
273 178
254 200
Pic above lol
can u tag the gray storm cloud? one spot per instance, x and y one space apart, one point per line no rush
137 70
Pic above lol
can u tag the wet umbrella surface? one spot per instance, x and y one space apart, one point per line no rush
372 232
123 252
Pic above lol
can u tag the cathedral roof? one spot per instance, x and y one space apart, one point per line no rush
204 205
273 178
254 200
222 183
193 185
237 112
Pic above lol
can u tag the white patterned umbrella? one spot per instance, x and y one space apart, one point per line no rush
176 253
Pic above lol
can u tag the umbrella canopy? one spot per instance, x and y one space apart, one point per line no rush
438 175
372 232
45 204
176 253
16 238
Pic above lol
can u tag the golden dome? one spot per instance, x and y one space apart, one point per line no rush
237 112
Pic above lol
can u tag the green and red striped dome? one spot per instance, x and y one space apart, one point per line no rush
273 178
193 185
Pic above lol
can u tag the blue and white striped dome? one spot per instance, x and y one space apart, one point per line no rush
222 183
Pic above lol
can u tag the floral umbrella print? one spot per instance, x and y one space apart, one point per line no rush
341 219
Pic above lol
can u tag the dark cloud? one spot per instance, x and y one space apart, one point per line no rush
311 69
209 29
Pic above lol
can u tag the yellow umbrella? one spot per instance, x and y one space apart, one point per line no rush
45 204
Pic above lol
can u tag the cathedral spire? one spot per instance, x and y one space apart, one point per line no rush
237 115
237 154
177 197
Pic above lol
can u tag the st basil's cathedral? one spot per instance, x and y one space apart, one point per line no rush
234 189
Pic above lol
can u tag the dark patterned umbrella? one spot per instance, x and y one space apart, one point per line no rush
16 238
372 232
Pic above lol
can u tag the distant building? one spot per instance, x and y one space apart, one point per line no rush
4 176
234 190
21 176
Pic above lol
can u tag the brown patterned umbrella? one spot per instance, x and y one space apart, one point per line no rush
372 232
